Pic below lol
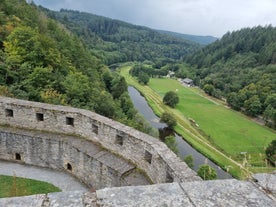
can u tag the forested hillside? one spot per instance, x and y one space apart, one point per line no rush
203 40
115 41
41 60
241 67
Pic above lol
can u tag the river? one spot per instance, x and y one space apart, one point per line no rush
184 148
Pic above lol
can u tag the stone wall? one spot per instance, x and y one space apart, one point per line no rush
104 153
143 151
91 164
230 193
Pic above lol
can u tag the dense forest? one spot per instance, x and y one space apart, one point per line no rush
241 67
61 58
115 41
41 60
203 40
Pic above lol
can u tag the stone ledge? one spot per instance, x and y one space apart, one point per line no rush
230 193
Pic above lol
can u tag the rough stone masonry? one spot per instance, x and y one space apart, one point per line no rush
116 160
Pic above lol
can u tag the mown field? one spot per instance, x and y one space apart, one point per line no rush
11 186
222 135
230 131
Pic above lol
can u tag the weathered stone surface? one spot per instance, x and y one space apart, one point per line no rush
26 201
91 164
104 153
143 196
66 199
226 193
267 182
115 137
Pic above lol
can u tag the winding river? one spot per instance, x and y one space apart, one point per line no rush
184 148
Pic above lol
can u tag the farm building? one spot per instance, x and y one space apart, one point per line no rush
188 82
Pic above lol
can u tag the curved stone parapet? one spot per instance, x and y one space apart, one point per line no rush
104 153
146 153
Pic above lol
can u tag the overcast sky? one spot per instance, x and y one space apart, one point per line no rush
198 17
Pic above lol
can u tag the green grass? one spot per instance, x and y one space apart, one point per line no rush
11 186
222 133
230 131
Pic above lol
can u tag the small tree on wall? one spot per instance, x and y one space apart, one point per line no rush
189 160
171 99
206 172
171 143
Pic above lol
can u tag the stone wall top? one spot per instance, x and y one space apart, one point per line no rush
146 152
230 193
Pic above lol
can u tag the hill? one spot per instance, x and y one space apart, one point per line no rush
116 41
241 67
41 60
203 40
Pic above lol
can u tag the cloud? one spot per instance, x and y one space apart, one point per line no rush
203 17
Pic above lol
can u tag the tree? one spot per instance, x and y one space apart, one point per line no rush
253 106
77 88
4 91
52 96
119 86
168 119
189 160
271 152
208 88
143 78
171 143
171 99
206 172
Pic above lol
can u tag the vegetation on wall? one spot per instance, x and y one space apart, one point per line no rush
206 172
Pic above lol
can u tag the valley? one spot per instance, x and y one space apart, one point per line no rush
223 135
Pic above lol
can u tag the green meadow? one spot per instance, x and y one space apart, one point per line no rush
230 131
11 186
227 137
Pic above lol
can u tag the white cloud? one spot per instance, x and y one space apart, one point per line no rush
203 17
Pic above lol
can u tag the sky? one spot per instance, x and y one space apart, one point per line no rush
197 17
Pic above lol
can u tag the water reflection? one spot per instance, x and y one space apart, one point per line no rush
184 148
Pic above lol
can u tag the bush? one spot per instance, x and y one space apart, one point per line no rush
171 99
206 172
171 143
168 119
189 160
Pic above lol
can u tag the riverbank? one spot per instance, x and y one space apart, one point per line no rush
185 129
184 149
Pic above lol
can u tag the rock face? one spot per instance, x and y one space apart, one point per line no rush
105 154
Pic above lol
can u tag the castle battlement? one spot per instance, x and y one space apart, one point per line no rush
104 154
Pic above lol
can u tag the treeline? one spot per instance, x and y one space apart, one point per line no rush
115 41
241 67
41 60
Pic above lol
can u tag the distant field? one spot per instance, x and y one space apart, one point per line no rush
230 131
11 186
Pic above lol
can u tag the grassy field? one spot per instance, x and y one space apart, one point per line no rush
231 132
11 186
222 134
